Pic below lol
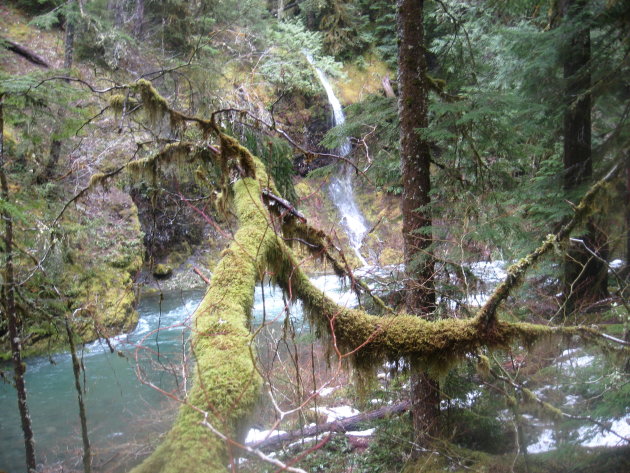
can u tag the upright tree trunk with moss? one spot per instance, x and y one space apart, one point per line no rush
415 157
626 269
55 145
76 371
585 274
117 7
9 308
417 236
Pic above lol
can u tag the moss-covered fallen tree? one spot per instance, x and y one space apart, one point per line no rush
226 384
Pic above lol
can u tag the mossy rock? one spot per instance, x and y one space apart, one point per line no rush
162 271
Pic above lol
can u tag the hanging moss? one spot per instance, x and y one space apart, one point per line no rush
117 102
550 410
97 179
155 106
226 383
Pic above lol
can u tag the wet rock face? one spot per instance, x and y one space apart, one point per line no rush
169 224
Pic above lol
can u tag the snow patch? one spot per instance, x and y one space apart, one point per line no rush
606 438
336 413
545 442
255 435
361 433
616 264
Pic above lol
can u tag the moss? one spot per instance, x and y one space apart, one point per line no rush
483 365
550 410
162 271
117 102
226 383
155 105
390 256
362 80
96 180
120 102
173 155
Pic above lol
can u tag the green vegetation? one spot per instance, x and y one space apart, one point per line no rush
173 137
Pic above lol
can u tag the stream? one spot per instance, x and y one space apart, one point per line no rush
121 411
125 415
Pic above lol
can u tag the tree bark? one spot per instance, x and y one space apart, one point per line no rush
585 271
55 145
415 158
417 237
626 269
139 19
9 309
118 7
24 52
76 370
336 426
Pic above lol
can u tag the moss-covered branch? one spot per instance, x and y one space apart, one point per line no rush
226 383
516 273
372 339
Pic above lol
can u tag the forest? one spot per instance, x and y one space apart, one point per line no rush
314 236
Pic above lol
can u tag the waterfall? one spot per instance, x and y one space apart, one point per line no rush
340 187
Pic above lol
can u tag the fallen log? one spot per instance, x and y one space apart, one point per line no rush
24 52
342 425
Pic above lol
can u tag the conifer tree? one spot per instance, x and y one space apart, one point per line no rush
416 178
585 272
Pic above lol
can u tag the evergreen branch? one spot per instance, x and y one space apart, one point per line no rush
553 411
274 128
487 315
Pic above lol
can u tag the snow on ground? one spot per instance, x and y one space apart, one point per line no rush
545 442
336 413
589 436
571 400
361 433
255 435
616 264
606 438
323 392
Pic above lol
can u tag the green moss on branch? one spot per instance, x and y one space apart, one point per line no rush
226 383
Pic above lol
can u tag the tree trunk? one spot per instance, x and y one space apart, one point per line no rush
626 269
417 237
9 309
24 52
139 19
55 145
280 9
415 157
585 271
76 370
118 7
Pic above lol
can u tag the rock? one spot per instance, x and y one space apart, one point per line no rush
162 271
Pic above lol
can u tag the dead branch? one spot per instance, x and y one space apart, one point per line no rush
336 426
200 274
284 203
24 52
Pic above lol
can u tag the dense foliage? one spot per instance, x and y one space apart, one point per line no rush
196 99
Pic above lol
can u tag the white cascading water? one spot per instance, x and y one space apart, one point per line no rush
340 188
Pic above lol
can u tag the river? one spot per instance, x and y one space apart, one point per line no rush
123 413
